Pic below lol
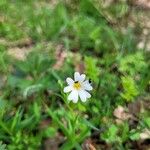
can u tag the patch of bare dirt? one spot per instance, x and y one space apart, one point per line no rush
19 53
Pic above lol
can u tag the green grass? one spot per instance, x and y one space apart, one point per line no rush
33 107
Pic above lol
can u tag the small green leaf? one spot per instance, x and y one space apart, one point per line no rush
2 146
147 121
50 132
134 135
130 88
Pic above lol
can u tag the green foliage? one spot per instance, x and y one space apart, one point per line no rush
4 59
2 146
134 135
50 24
50 132
10 31
73 125
91 68
130 88
110 135
2 107
133 64
20 141
134 67
147 121
80 32
33 107
119 134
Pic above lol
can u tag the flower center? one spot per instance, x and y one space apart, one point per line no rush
77 85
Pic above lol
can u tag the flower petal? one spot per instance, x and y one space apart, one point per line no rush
77 76
67 89
88 95
82 77
86 82
73 96
82 95
87 86
69 81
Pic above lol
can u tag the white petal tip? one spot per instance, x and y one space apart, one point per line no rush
67 89
74 101
69 81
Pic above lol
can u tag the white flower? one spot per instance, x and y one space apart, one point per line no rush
78 88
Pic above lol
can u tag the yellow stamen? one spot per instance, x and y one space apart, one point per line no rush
77 85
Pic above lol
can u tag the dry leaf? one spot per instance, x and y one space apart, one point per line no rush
121 115
143 3
145 134
135 107
87 145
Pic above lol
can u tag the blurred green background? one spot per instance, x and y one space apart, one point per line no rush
42 42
